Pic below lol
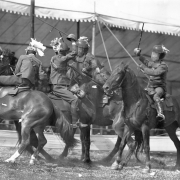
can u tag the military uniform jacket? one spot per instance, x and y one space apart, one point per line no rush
59 68
28 67
156 71
88 62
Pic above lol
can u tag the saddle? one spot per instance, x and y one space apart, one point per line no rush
12 90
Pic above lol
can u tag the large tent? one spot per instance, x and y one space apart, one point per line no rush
125 19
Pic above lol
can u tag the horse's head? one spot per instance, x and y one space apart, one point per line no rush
116 78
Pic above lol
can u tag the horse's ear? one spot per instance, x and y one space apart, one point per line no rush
126 65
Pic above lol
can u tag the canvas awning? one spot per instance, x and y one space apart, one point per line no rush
162 16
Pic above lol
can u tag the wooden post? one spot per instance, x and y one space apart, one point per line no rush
93 52
78 30
32 18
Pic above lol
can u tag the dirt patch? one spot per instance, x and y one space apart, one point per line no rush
72 168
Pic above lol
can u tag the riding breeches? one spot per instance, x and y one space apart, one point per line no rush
12 80
64 93
159 91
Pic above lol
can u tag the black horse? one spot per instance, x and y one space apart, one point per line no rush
139 113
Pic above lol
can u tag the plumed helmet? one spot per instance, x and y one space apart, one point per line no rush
83 42
71 37
36 47
59 45
160 49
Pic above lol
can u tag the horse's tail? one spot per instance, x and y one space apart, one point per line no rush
140 144
64 128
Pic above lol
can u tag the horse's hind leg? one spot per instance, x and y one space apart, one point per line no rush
25 132
171 130
114 151
41 143
146 134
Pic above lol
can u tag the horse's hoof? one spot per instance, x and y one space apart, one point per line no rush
32 162
115 166
86 160
10 160
121 167
146 170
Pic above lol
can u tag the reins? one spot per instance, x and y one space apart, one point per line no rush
82 75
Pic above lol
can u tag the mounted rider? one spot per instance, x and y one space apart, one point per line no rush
27 68
85 61
157 70
58 78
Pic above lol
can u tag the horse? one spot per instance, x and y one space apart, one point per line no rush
139 112
32 111
93 111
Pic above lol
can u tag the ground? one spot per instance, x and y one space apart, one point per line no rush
73 168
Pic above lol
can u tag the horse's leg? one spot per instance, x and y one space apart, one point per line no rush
82 146
25 132
86 143
146 134
171 130
66 149
41 143
33 138
114 151
126 135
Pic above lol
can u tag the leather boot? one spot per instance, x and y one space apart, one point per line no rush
75 111
160 115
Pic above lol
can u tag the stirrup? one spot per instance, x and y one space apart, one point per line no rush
160 117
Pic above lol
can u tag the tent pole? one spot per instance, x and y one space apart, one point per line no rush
32 18
93 38
93 53
78 29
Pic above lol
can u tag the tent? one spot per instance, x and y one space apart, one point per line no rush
125 19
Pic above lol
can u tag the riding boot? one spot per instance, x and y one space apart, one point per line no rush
75 111
160 116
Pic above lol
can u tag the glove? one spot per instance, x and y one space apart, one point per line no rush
137 51
71 37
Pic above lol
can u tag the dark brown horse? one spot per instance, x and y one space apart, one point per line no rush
94 111
34 110
138 112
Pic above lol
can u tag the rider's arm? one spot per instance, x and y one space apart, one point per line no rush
145 61
18 65
156 72
72 54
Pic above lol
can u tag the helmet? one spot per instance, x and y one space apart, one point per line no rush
64 47
71 37
36 47
59 45
83 42
160 49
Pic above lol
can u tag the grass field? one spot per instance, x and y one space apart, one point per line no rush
72 168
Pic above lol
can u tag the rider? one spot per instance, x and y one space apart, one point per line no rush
27 68
85 61
157 70
60 82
